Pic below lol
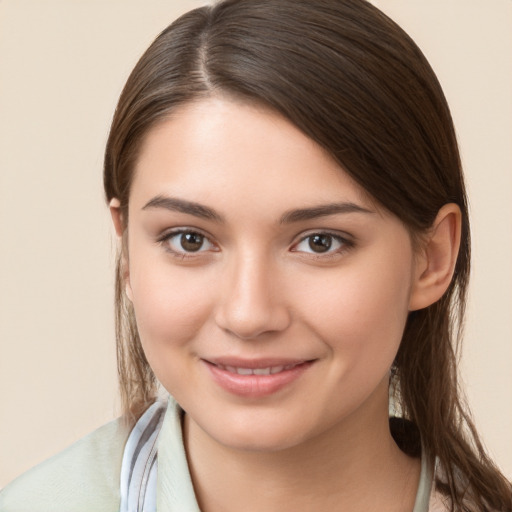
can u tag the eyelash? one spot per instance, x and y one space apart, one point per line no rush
345 244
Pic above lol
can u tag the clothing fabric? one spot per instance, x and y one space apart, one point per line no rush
144 470
83 478
139 466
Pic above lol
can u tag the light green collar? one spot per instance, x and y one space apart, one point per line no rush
175 492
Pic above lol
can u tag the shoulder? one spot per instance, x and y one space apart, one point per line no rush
84 477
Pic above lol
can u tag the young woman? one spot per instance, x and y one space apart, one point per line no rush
285 183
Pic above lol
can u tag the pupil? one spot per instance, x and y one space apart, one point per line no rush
191 241
320 243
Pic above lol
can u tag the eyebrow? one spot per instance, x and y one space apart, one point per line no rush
289 217
181 205
321 211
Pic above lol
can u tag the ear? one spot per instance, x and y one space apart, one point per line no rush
117 219
435 261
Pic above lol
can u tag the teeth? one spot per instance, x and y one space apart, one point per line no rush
271 370
261 371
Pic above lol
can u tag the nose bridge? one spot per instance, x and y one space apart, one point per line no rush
251 301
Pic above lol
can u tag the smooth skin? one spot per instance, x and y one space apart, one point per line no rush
247 241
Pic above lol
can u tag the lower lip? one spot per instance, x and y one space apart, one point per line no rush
256 386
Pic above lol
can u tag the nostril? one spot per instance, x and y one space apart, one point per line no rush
252 324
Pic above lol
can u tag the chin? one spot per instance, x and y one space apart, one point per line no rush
258 431
261 441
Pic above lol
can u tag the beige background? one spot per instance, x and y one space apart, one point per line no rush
62 65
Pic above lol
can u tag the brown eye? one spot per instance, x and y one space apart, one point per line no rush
326 244
191 242
320 243
186 242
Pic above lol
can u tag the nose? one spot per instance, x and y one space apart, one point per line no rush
251 302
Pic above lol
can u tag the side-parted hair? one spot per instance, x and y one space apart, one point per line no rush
356 84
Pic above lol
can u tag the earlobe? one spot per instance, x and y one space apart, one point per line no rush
436 262
117 219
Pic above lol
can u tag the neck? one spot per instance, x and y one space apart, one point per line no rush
354 466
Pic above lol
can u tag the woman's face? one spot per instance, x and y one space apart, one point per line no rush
270 292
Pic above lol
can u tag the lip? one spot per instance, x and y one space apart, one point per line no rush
255 385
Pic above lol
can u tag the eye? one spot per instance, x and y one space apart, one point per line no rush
187 241
322 243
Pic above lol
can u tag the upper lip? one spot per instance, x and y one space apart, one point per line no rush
254 363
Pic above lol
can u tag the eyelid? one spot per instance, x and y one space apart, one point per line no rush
341 235
167 233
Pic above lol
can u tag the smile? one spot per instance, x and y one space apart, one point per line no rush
269 370
256 379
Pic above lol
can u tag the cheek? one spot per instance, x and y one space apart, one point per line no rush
362 311
171 307
171 303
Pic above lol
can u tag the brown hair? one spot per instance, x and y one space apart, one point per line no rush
355 83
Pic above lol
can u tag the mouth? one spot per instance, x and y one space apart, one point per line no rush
256 378
268 370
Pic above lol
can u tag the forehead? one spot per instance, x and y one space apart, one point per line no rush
230 152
